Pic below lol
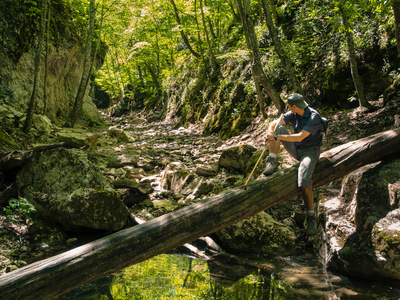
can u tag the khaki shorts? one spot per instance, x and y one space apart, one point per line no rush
308 158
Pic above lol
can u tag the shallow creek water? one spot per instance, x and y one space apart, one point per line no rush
234 277
225 276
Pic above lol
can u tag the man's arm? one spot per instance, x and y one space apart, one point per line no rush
295 137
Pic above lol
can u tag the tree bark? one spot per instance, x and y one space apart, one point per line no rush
183 35
86 70
96 50
56 275
154 76
32 103
396 12
251 38
199 37
353 60
236 16
46 58
273 11
259 98
210 49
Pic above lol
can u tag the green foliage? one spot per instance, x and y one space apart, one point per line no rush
34 10
19 207
148 65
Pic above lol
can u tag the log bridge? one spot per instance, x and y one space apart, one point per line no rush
56 275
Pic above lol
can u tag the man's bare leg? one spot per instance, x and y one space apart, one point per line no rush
308 198
274 146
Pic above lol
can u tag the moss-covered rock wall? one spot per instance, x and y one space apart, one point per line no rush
18 39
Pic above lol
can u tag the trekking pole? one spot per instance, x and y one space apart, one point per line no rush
262 153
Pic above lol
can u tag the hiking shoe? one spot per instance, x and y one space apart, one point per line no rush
271 166
311 227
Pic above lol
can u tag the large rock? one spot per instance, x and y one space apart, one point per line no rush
364 226
259 233
236 158
64 65
120 134
133 192
68 189
176 177
77 138
386 243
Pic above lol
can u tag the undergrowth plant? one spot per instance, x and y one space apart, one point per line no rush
19 209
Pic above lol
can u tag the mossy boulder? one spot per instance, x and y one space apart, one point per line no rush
236 158
367 223
69 190
77 138
386 244
259 233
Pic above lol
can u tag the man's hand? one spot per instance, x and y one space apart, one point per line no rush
269 136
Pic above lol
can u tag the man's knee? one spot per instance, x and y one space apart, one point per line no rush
304 183
281 130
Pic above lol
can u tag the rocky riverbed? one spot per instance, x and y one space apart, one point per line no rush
155 168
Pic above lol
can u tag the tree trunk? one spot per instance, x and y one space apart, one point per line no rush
183 35
86 70
236 16
248 27
46 59
213 59
259 98
353 60
56 275
32 102
273 11
396 12
96 50
280 50
199 37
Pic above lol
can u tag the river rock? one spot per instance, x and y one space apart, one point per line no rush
120 134
9 112
386 243
142 187
69 190
196 189
364 228
77 138
42 123
259 233
236 158
207 170
147 163
176 177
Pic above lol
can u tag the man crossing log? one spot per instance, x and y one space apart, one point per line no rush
304 145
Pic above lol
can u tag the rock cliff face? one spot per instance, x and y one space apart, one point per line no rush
65 63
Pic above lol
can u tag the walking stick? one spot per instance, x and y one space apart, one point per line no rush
262 153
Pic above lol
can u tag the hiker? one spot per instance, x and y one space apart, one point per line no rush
304 145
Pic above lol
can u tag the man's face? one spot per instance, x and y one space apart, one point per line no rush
292 108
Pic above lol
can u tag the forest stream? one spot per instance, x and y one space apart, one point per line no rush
198 271
300 273
130 129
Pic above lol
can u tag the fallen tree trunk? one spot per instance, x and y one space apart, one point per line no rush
59 274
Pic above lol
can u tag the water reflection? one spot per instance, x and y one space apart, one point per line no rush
231 277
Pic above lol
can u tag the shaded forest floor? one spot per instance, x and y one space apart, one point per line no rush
344 126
